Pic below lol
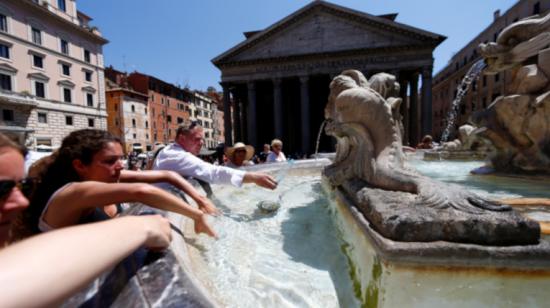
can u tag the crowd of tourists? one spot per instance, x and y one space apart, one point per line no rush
66 208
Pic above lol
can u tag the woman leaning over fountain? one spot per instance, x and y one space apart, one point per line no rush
46 281
84 181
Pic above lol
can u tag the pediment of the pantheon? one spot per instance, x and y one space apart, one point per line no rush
325 29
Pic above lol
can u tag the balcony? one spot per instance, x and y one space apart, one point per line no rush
17 99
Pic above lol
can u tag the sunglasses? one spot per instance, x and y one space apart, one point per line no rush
26 186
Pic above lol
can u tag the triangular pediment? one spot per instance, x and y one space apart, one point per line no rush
324 28
39 76
8 68
66 83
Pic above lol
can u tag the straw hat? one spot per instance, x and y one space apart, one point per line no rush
239 145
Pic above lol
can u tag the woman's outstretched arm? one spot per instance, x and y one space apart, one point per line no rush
173 178
68 205
44 270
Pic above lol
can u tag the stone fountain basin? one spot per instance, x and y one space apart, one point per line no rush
379 268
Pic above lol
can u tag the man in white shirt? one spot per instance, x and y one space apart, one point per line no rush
180 157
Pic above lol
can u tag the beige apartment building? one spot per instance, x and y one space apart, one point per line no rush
51 71
202 110
488 87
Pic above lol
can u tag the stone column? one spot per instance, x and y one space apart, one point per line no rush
414 118
227 114
251 113
403 83
237 117
426 100
278 107
304 112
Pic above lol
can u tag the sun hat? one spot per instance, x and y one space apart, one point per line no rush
229 151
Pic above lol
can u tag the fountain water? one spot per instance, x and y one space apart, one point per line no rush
471 76
319 137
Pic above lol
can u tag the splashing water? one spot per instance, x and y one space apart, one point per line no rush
319 137
471 76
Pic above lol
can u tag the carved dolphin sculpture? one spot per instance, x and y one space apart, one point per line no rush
369 146
516 43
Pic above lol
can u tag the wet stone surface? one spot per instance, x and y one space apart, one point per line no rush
399 217
143 279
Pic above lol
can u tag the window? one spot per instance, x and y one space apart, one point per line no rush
135 136
3 23
169 119
88 76
64 47
91 122
145 110
90 99
39 89
36 36
116 122
180 120
87 57
497 77
61 5
5 82
4 51
42 117
37 61
7 115
147 125
133 108
67 97
133 122
68 120
66 69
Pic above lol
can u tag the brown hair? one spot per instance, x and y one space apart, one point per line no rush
8 141
57 170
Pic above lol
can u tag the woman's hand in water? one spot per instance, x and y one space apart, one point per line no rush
202 226
260 179
207 207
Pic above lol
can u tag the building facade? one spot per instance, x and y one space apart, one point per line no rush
203 111
277 80
167 106
51 71
127 113
488 87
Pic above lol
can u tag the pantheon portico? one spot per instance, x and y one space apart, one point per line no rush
276 82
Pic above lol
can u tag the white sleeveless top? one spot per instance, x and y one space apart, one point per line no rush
43 226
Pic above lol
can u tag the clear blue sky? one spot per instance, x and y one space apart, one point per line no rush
174 40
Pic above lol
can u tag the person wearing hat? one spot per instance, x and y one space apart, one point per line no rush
239 155
180 157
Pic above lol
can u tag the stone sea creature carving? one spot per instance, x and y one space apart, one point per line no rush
518 123
516 43
369 145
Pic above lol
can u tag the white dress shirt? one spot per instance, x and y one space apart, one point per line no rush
173 157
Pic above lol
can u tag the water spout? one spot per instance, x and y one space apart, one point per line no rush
319 137
471 76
